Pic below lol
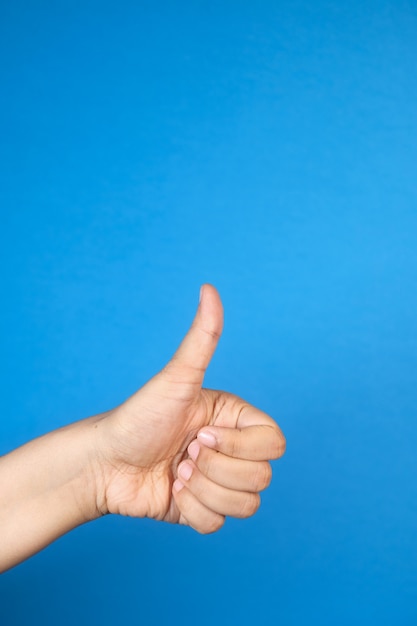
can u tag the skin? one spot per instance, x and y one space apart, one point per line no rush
174 451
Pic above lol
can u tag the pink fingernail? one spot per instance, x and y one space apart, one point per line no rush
178 485
207 438
185 470
194 450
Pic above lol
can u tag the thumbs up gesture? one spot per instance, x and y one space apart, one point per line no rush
178 452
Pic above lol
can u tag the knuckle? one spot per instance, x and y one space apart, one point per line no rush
213 525
212 334
250 504
278 445
262 476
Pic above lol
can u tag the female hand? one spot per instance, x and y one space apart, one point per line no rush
173 451
177 452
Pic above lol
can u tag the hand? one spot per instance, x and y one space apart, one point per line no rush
173 451
177 452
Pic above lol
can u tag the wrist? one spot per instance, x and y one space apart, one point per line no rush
88 484
95 481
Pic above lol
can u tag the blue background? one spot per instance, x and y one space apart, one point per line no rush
268 148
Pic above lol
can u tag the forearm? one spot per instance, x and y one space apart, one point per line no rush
47 487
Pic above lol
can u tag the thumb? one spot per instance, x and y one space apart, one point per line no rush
198 346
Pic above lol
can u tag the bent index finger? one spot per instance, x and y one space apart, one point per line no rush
262 442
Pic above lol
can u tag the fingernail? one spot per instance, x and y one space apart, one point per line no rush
185 470
194 450
178 485
201 294
207 438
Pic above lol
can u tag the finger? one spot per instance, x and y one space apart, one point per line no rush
193 512
232 473
198 346
252 443
215 497
251 416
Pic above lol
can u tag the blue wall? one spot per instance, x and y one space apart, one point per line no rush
268 148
